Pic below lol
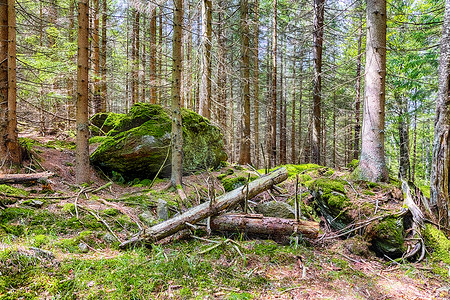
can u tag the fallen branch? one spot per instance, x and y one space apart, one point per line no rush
207 209
23 178
265 225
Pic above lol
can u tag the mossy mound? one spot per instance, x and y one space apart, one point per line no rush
332 201
139 142
387 237
102 123
439 244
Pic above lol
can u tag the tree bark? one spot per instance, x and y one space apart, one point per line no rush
440 171
244 157
358 95
258 224
96 57
256 85
293 122
273 118
177 130
152 58
82 139
319 7
372 165
103 86
282 112
207 209
205 86
22 178
403 133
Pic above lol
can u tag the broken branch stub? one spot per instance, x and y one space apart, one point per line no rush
207 209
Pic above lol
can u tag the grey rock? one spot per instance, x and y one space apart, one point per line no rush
276 209
147 218
162 210
109 238
83 248
36 203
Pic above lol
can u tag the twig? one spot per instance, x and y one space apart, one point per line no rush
98 218
162 166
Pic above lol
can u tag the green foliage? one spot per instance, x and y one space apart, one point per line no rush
439 244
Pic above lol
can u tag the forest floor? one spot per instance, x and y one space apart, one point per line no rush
60 241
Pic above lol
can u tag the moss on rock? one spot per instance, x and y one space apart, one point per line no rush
139 142
387 236
438 242
332 201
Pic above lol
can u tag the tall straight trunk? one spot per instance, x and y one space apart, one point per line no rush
413 169
133 57
160 46
152 58
324 138
334 129
9 145
256 85
96 56
244 157
300 105
82 144
273 119
403 133
70 79
142 67
293 122
137 61
282 112
319 7
221 71
52 16
358 95
177 130
188 64
372 164
103 86
205 86
440 170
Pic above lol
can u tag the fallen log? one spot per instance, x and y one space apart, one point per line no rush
23 178
258 224
208 209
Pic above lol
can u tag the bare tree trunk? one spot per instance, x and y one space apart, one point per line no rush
358 95
142 66
283 143
221 73
334 129
244 157
293 122
372 165
205 86
256 85
103 88
9 146
96 57
300 106
403 133
273 125
440 170
177 130
152 58
82 140
160 46
413 171
319 7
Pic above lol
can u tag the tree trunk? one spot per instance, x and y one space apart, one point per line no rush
82 139
256 85
257 224
205 86
372 164
301 142
221 74
160 46
103 86
152 58
403 133
293 123
319 7
282 112
177 130
207 209
244 157
440 170
273 119
22 178
358 95
96 57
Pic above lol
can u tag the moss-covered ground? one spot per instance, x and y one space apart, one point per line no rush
59 250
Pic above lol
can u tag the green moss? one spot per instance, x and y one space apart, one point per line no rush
332 201
387 236
97 139
110 212
60 145
7 190
69 207
438 242
221 176
368 193
425 189
28 144
40 240
353 164
233 183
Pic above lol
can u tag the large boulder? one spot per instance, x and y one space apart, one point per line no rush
138 143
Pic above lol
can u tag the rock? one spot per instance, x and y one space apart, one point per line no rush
109 238
358 246
276 209
102 123
83 248
162 210
147 218
36 203
43 253
387 237
332 201
139 141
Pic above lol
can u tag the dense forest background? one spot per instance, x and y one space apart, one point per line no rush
130 60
